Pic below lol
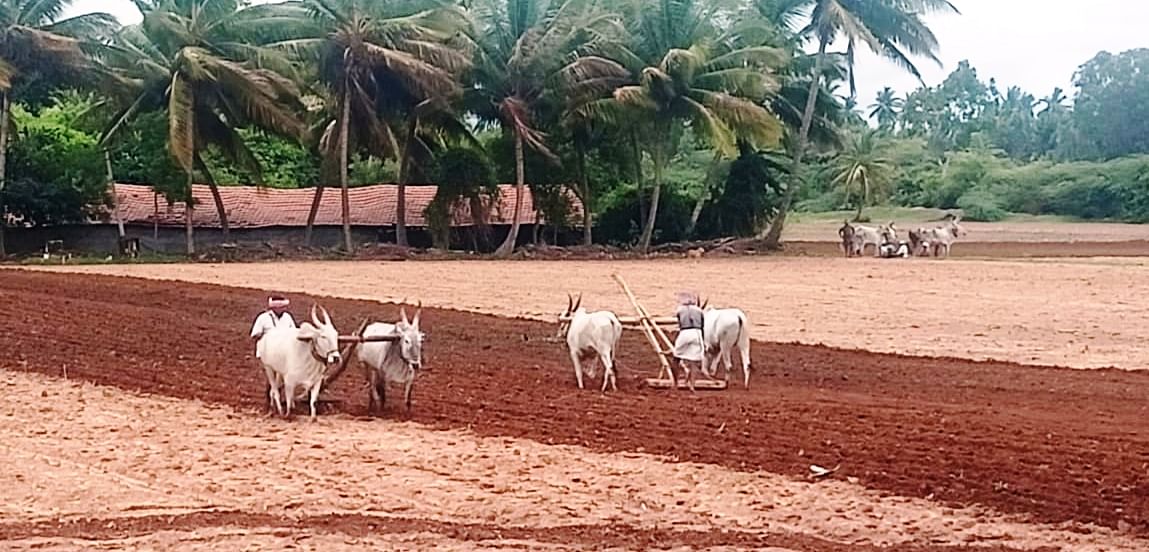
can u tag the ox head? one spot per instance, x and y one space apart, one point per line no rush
323 336
889 233
410 337
573 306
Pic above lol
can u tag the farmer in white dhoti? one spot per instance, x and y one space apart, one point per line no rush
688 343
275 316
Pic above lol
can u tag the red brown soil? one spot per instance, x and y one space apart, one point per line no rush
1052 444
599 536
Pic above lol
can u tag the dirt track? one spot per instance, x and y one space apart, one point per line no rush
1052 445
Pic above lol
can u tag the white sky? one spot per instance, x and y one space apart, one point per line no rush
1034 44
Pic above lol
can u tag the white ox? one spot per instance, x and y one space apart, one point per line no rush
724 330
392 361
934 240
591 336
870 235
295 358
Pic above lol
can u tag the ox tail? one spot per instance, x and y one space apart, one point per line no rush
744 346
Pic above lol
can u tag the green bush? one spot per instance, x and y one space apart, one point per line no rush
980 206
620 223
56 176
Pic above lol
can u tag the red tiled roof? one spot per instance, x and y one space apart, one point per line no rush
252 207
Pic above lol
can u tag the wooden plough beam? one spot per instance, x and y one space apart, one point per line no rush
661 343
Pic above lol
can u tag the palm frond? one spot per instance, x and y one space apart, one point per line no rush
181 105
7 73
90 26
711 128
748 120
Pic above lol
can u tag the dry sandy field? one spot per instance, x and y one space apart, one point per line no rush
967 402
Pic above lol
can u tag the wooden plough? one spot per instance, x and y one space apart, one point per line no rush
663 347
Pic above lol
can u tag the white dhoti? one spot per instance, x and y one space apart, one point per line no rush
688 345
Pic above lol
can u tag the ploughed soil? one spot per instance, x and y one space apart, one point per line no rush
1051 444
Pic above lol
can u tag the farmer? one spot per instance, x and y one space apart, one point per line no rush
275 316
890 250
688 343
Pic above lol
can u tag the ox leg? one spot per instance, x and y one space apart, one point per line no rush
745 365
727 363
373 399
577 368
607 373
381 393
271 391
407 393
289 397
314 397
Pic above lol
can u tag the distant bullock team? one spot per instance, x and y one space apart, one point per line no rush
923 242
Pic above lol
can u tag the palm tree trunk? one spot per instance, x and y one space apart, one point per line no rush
508 245
774 234
189 214
344 122
404 171
112 190
156 218
648 230
584 192
189 199
215 197
711 176
313 212
5 113
636 152
535 232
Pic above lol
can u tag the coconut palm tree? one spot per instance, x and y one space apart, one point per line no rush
1054 103
35 43
366 51
524 44
886 108
191 60
864 166
893 29
679 71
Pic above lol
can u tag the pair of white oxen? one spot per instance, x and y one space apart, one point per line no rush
593 337
297 360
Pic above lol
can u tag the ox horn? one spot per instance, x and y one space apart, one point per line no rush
326 316
570 303
418 311
403 314
578 303
314 316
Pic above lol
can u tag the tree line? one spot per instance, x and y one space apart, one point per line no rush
668 120
968 144
596 95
